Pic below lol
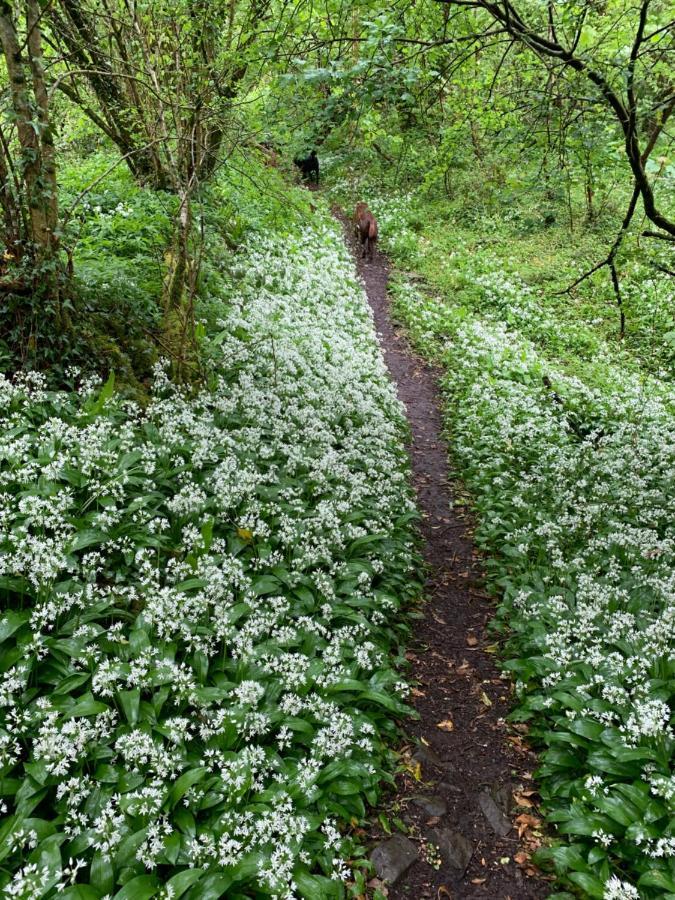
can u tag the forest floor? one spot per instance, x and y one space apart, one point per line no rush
467 795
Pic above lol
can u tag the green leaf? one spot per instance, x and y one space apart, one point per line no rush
384 822
126 852
266 584
591 885
172 845
185 782
140 888
102 873
211 887
80 892
183 880
86 538
313 886
130 702
105 394
622 811
87 706
657 878
11 621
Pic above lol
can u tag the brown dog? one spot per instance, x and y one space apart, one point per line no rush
365 227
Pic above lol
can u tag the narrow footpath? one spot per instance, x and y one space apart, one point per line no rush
467 798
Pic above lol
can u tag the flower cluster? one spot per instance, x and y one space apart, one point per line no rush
200 602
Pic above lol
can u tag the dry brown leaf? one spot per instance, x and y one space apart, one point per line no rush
443 892
521 857
521 798
528 820
485 699
472 640
525 822
478 880
445 725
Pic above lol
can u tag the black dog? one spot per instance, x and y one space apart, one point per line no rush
309 166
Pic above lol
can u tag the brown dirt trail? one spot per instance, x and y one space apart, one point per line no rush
472 765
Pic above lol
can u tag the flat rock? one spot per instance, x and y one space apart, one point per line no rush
394 857
455 850
502 794
500 823
433 806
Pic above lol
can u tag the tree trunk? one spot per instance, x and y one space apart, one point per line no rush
49 188
28 138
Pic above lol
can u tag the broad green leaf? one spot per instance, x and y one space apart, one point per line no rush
140 888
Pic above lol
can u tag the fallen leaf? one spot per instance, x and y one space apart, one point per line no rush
528 820
445 725
413 768
472 640
521 857
521 799
486 700
443 892
478 880
525 822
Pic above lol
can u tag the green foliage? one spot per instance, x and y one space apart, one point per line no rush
202 601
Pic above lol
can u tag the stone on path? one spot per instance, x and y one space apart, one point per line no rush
499 821
426 756
455 850
433 806
394 857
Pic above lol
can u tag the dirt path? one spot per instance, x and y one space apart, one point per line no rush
463 804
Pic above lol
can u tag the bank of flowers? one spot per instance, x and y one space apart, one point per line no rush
201 605
574 487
